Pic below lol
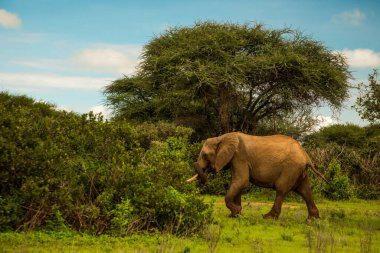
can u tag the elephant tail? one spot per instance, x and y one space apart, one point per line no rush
311 165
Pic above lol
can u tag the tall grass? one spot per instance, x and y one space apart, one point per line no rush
345 226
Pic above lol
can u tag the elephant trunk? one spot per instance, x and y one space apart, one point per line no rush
200 172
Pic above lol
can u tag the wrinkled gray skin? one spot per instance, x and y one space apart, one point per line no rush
277 162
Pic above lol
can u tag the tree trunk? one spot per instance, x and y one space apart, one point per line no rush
225 109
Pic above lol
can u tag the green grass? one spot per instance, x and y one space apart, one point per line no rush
345 226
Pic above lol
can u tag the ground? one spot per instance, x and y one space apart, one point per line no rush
345 226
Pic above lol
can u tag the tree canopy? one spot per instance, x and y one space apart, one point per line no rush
223 77
368 102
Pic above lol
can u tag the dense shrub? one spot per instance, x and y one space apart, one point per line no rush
60 169
338 187
367 191
217 184
159 194
347 135
357 149
160 131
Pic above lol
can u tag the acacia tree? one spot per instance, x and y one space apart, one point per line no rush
368 102
229 77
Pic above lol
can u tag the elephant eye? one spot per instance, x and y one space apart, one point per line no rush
208 156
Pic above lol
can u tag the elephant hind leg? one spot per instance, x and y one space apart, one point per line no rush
282 187
304 190
274 213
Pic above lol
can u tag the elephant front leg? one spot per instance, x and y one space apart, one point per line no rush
233 200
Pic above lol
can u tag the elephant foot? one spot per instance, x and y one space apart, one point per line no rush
313 217
311 220
313 214
271 215
233 215
235 211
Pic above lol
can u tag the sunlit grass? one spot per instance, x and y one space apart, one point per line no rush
345 226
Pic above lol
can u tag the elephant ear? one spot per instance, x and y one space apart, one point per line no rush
226 150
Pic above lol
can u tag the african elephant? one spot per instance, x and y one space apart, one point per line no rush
276 161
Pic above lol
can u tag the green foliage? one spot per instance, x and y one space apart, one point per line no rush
229 77
10 212
338 187
217 184
357 149
122 217
345 135
62 170
160 131
367 191
337 214
368 102
296 124
159 193
56 222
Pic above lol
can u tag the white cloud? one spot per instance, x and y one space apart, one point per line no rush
116 60
324 121
113 59
354 17
362 58
22 81
9 20
24 38
107 113
64 108
103 110
42 64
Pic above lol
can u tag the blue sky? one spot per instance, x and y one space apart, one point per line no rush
66 51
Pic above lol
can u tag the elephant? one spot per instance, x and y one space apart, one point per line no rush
275 161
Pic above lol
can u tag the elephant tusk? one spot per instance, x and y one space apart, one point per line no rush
192 179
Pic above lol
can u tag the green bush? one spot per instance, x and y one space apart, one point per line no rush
160 131
347 135
122 217
338 187
217 184
64 170
10 212
160 193
367 191
357 149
